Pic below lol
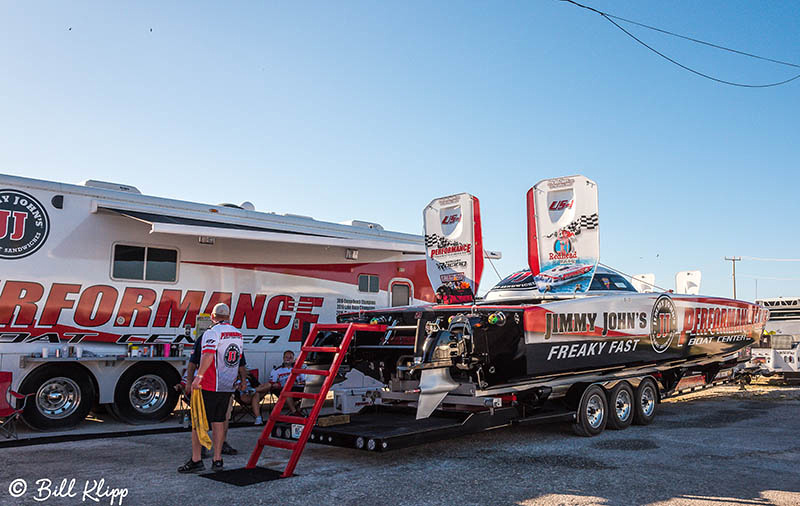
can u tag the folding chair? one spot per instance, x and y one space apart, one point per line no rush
246 409
9 414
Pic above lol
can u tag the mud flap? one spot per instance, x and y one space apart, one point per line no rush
434 385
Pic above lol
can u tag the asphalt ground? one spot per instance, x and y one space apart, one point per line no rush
720 446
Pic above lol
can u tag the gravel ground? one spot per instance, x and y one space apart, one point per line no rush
721 446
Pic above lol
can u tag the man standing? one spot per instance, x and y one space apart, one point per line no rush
191 369
219 368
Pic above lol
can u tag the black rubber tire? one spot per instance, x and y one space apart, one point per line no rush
614 420
37 419
124 409
596 395
647 388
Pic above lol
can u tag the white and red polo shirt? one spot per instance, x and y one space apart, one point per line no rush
225 342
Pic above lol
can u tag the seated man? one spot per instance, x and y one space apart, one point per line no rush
253 394
278 377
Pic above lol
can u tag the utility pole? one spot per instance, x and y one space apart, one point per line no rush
733 261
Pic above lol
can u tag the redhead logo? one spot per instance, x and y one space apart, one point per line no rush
24 224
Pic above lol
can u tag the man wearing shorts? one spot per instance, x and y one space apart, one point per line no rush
191 369
219 368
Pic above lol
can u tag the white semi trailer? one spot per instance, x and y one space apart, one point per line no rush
101 286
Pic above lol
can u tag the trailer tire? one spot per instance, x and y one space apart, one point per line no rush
646 399
63 396
592 414
145 393
620 406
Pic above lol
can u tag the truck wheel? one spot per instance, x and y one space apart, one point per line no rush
645 402
592 414
64 394
620 406
145 393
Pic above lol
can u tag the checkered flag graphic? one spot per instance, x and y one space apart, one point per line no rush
584 222
438 241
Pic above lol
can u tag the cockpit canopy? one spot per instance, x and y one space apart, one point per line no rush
521 285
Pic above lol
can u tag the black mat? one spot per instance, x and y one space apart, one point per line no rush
243 477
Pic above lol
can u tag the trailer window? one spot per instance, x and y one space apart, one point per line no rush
162 264
367 283
128 262
141 263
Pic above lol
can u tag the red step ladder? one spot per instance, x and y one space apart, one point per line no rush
297 447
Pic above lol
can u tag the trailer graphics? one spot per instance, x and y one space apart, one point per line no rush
103 289
137 308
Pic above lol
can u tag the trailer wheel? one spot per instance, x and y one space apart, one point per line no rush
620 406
592 414
645 404
64 394
145 393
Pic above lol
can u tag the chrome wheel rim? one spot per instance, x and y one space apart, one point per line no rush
148 393
648 400
594 411
623 405
58 398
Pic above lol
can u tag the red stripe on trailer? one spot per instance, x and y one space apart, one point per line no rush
414 270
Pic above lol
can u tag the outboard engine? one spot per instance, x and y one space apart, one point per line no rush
451 347
441 350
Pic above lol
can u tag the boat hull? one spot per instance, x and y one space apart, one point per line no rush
624 330
580 334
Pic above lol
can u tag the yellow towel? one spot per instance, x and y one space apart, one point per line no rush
199 420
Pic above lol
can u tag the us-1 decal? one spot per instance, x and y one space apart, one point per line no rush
24 224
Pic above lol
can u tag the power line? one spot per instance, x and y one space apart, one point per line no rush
609 17
770 278
762 259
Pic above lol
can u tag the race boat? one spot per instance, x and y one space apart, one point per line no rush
559 275
551 331
564 340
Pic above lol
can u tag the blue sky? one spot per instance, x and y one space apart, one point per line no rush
367 110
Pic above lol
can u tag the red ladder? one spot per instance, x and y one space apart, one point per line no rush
297 447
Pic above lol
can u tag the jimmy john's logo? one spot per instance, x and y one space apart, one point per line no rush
579 323
663 324
24 224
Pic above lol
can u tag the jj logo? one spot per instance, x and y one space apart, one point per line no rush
664 327
663 324
24 224
17 228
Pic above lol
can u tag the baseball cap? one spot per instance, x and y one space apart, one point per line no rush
221 309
